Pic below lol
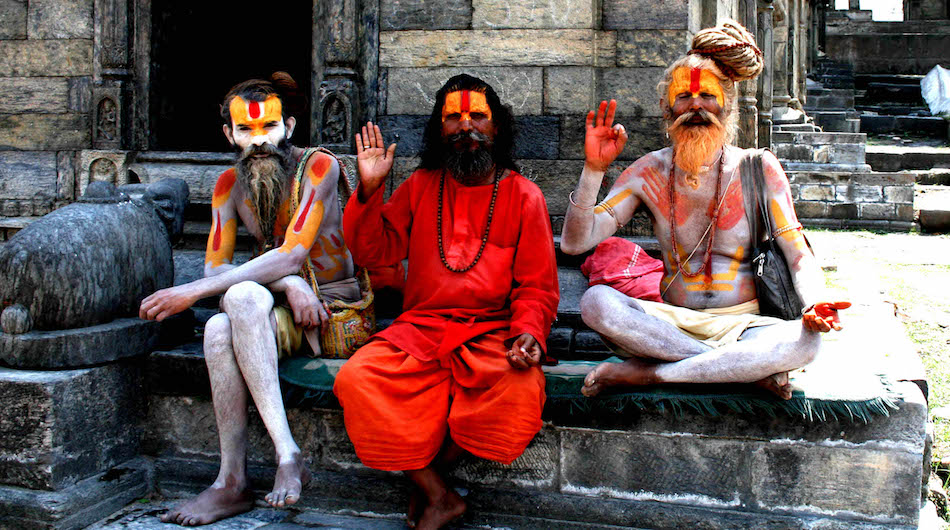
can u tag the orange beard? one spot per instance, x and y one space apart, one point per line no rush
694 145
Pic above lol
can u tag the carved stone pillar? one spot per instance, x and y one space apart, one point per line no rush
111 74
748 112
781 112
340 71
764 93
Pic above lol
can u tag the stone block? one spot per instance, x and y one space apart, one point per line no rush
33 94
80 93
44 132
884 179
199 170
556 178
405 131
651 47
812 209
27 58
862 193
633 88
636 14
905 213
22 175
795 190
844 211
77 506
536 468
537 137
53 430
60 19
559 342
587 341
900 194
65 175
507 47
423 14
127 337
412 90
815 478
541 14
337 452
12 19
877 210
812 192
569 89
650 467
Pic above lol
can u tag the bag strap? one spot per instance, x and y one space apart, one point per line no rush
750 194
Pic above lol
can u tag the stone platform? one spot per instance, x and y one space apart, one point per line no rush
638 468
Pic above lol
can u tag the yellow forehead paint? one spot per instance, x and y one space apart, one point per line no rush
465 102
695 81
255 114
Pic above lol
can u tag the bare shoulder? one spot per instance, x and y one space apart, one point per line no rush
322 166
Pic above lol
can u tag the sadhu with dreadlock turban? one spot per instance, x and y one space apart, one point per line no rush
708 328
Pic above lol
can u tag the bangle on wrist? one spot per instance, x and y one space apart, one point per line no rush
807 309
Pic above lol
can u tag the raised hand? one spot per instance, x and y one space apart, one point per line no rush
372 159
823 316
604 140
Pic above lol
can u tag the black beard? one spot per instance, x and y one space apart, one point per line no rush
264 180
468 166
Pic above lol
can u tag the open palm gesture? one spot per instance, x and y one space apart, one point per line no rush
604 140
373 159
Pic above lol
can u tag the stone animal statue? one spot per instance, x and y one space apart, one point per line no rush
92 261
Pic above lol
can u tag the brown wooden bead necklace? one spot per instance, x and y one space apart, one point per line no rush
707 259
491 211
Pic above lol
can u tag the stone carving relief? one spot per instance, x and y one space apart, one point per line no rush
107 118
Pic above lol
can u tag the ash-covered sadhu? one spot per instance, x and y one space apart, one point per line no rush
459 369
708 329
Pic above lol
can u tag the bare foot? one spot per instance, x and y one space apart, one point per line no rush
630 372
289 481
417 502
777 384
211 505
442 512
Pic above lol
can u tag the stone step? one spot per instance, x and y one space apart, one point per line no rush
893 92
830 101
914 125
932 177
836 121
843 149
799 127
893 109
897 158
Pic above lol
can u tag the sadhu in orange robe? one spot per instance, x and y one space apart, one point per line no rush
441 366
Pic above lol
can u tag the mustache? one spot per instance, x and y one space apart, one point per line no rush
473 136
262 149
706 116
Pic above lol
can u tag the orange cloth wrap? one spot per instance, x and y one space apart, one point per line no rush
397 409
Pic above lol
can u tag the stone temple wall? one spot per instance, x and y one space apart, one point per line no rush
551 60
46 71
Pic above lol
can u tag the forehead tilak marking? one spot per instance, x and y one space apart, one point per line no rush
694 75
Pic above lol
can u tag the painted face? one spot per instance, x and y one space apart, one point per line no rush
465 105
257 122
695 82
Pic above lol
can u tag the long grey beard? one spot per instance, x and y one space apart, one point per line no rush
469 167
264 181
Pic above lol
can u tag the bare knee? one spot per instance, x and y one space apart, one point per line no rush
249 299
801 346
600 308
217 337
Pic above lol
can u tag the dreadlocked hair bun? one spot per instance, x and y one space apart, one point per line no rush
733 49
288 91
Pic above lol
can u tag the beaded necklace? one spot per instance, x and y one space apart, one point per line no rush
707 259
491 211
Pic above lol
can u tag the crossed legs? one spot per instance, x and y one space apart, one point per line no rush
241 355
664 354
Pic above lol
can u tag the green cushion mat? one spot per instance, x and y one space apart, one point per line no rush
821 393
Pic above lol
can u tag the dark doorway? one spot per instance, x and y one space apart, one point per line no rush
202 49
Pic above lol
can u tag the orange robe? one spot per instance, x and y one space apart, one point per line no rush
441 365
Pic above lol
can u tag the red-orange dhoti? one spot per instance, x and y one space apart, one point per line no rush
397 409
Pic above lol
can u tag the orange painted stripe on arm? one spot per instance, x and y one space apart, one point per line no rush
613 201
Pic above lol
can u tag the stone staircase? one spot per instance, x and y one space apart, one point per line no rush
929 167
892 105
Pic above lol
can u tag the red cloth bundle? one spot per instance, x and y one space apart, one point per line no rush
626 267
